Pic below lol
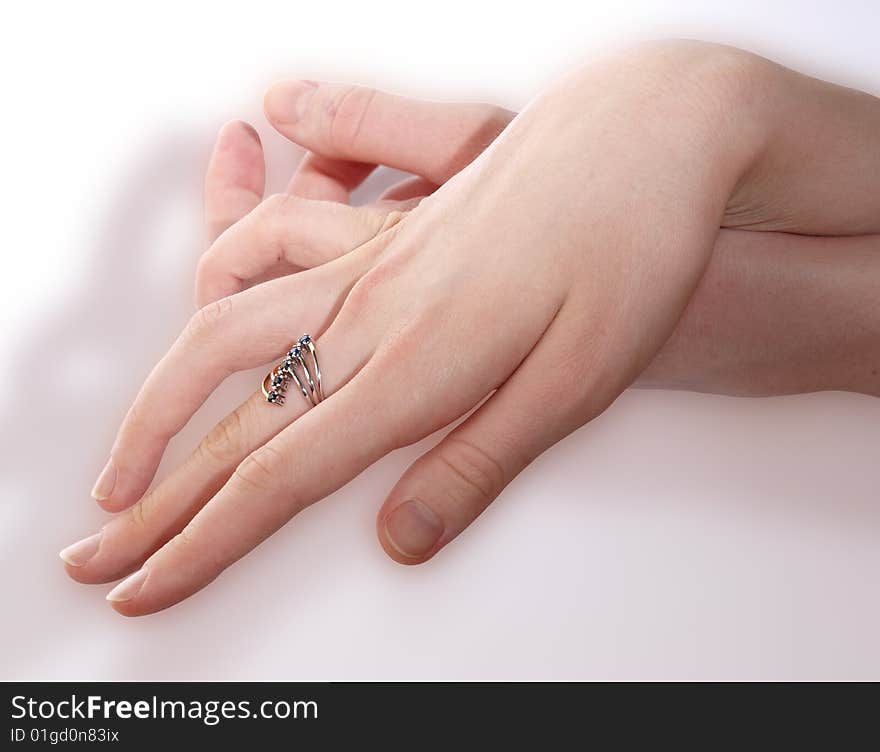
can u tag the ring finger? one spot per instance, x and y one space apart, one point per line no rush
127 540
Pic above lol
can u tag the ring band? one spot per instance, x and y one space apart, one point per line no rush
297 368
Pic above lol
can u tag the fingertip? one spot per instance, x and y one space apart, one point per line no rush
410 532
237 158
98 568
83 575
75 572
246 128
399 558
91 573
235 178
148 591
114 490
126 596
129 489
284 102
125 609
114 504
235 130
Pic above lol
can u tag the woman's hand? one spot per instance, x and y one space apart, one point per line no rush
547 274
775 312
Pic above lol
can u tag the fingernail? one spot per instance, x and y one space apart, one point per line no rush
249 129
128 588
413 528
80 552
105 483
287 101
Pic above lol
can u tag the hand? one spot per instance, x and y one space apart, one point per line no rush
761 322
349 132
454 301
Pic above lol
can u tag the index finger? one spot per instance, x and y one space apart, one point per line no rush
235 179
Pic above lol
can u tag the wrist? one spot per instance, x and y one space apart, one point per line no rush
778 314
705 104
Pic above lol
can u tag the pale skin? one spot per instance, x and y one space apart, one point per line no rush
681 215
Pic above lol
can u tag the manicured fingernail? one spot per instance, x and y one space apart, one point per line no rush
286 102
80 552
413 528
105 483
128 588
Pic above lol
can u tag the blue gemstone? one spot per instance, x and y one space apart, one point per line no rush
305 339
273 396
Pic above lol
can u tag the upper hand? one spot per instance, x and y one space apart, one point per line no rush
546 281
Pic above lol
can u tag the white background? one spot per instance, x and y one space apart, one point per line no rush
679 536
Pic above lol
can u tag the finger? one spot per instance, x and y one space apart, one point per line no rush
411 188
229 335
130 537
297 231
447 488
265 490
430 139
315 455
126 542
235 179
332 442
324 179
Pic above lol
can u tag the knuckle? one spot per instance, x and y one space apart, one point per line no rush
391 220
344 113
369 287
137 514
371 223
224 442
194 548
487 125
209 321
269 219
261 470
271 223
472 470
183 542
395 361
138 419
400 347
142 422
276 205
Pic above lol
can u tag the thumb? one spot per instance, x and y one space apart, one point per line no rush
431 139
447 488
